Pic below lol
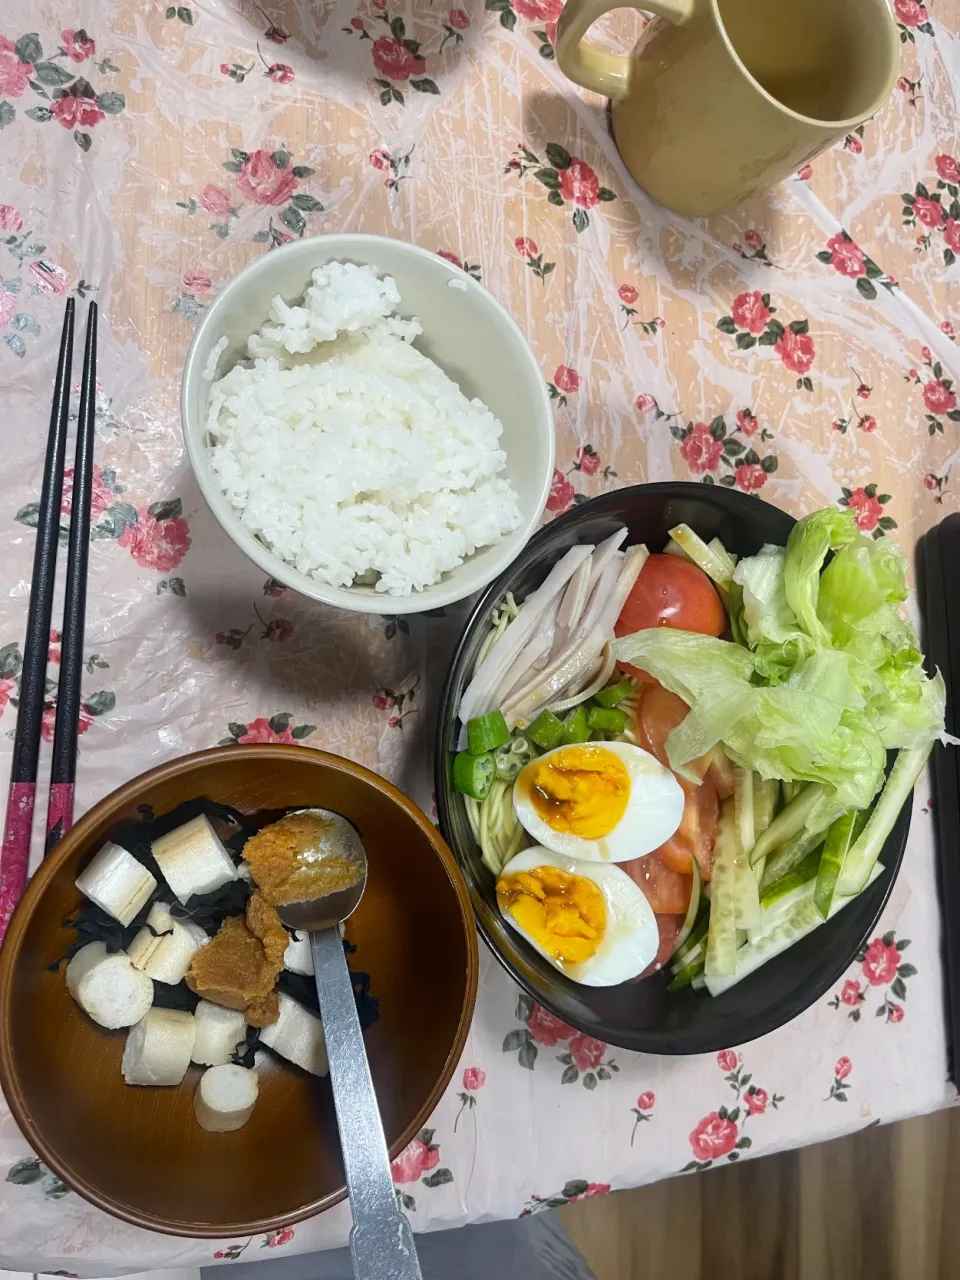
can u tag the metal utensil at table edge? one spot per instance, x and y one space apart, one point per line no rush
381 1242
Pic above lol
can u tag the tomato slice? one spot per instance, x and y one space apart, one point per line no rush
669 927
667 891
658 714
697 833
671 592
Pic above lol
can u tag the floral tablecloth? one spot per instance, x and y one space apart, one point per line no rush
800 347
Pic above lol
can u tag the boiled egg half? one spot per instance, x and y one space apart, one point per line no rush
590 921
600 802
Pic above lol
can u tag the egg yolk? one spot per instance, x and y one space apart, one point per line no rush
565 914
580 790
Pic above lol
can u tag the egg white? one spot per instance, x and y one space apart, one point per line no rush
631 936
653 812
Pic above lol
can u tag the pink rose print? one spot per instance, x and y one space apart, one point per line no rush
380 159
593 1189
459 19
10 219
196 281
848 258
450 257
853 144
276 1238
727 1060
894 1012
14 74
951 234
76 113
868 423
910 12
414 1160
393 59
628 294
157 544
526 247
938 398
880 963
867 509
948 169
747 422
645 1101
7 687
930 212
755 1101
805 172
579 184
84 721
8 307
100 498
259 730
586 1052
280 73
644 403
750 477
586 460
473 1078
700 451
561 493
277 35
385 701
750 312
278 629
539 10
947 328
77 45
49 277
260 180
546 1028
714 1136
753 240
215 200
796 350
842 1068
53 648
850 993
566 379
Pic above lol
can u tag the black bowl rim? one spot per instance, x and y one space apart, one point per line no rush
653 1043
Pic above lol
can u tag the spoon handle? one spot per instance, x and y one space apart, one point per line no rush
381 1242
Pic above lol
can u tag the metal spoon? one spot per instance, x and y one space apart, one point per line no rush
381 1242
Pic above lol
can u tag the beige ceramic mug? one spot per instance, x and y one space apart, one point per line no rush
722 97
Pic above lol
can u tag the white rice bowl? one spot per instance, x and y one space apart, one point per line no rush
348 453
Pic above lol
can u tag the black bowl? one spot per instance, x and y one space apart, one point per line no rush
642 1015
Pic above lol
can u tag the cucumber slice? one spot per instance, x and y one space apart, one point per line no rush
788 856
714 566
788 822
841 836
722 930
803 919
862 857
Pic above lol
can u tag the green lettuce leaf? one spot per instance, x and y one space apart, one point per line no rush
810 541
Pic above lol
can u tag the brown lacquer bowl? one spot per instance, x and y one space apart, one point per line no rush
138 1152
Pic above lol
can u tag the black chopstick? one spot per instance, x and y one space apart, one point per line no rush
15 852
63 769
938 565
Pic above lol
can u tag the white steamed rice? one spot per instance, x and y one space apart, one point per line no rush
347 452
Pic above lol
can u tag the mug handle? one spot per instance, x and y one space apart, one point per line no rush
586 65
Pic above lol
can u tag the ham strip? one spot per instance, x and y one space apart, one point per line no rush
481 695
582 653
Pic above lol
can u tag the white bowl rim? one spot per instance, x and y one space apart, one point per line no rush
450 589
